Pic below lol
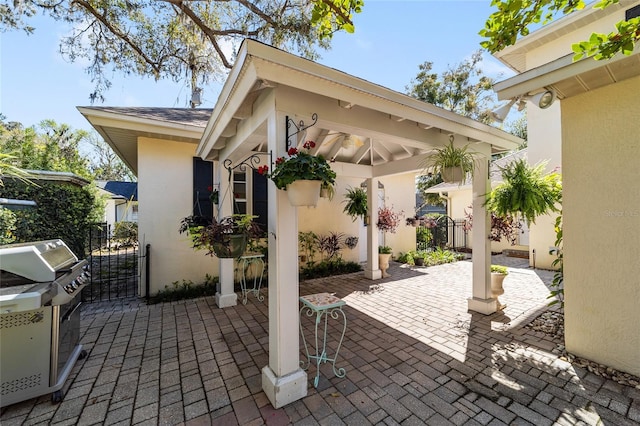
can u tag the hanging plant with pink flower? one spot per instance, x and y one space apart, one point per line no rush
389 219
300 165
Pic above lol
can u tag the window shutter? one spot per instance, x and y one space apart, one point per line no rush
259 199
202 182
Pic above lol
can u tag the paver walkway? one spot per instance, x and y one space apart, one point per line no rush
413 355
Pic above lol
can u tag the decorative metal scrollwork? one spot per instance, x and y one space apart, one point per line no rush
250 162
300 127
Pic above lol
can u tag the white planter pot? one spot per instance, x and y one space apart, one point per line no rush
383 263
452 175
304 192
496 287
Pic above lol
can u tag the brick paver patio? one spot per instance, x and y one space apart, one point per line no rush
413 355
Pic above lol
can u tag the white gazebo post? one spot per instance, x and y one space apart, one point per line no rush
481 300
225 294
372 270
282 380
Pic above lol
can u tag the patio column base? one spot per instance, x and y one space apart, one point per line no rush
373 275
484 306
226 300
286 389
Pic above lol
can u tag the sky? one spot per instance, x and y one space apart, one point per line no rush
392 38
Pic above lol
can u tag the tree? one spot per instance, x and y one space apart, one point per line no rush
463 89
180 38
54 148
514 18
104 163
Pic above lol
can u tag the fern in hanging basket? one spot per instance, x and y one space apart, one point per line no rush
526 192
355 203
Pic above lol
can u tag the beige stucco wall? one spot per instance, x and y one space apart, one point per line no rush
601 212
165 196
544 127
328 215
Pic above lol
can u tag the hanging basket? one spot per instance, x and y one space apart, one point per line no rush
452 175
304 192
232 246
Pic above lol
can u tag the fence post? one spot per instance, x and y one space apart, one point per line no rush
147 282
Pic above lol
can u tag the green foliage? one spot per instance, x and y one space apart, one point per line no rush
557 294
330 267
174 40
431 257
105 163
7 226
307 242
300 166
385 250
54 147
331 245
425 182
423 236
450 156
355 203
525 192
463 89
499 269
513 18
185 290
126 233
63 211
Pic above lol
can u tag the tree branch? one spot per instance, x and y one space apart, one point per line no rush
115 31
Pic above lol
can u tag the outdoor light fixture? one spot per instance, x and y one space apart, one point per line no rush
501 113
542 100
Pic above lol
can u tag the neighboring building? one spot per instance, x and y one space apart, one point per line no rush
121 202
595 120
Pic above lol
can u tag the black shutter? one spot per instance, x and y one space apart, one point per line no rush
202 183
260 199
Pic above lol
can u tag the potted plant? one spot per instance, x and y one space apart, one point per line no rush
525 192
388 219
384 254
301 175
498 274
327 191
453 164
356 203
224 238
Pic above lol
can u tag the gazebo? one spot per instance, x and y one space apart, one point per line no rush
273 100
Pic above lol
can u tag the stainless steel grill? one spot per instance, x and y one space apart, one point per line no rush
40 285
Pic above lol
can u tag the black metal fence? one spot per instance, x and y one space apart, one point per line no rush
114 266
448 233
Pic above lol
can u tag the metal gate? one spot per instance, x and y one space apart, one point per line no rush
114 265
448 233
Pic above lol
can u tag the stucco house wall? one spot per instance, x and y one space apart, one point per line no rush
165 196
601 196
601 212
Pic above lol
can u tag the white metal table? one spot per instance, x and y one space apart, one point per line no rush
323 306
245 263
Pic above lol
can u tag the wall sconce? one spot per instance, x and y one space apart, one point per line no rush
542 100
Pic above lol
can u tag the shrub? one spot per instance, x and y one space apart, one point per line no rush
7 226
126 233
63 211
185 290
328 268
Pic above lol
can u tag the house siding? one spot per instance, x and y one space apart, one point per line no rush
601 208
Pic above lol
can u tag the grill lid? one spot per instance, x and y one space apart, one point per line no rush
38 261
